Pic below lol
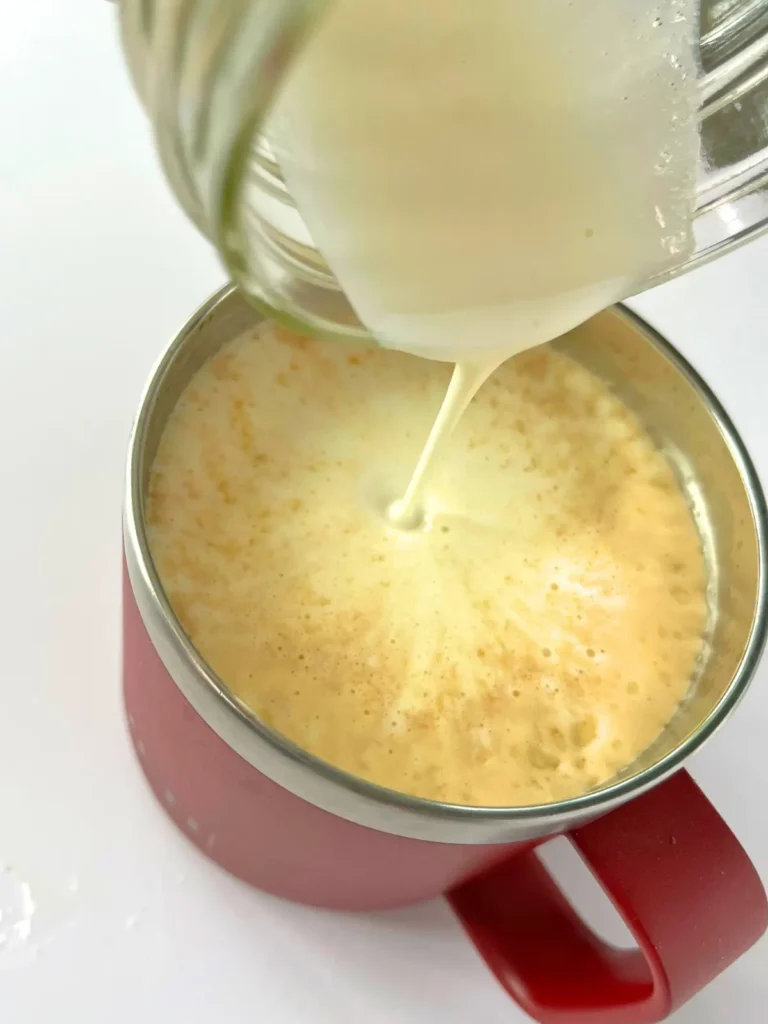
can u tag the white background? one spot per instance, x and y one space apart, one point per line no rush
97 270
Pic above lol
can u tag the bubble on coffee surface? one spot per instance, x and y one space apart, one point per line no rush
529 644
400 517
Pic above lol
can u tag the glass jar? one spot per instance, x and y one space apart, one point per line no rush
207 73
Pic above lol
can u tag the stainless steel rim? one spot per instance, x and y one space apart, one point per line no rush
354 799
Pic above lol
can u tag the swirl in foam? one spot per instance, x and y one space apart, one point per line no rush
531 639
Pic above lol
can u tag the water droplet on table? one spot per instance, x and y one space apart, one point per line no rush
17 911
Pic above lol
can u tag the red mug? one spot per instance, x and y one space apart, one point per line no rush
290 824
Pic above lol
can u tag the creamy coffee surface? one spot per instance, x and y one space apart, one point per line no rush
529 641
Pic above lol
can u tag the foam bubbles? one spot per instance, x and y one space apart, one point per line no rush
520 650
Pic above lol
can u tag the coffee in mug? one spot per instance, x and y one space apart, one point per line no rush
521 641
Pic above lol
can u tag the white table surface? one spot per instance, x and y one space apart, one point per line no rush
129 923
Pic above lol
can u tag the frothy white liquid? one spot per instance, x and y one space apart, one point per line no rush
408 512
487 175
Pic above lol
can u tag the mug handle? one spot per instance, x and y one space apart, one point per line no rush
680 880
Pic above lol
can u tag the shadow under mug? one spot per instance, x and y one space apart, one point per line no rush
292 825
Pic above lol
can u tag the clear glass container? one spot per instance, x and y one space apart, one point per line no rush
207 72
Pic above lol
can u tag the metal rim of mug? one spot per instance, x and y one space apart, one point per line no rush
355 799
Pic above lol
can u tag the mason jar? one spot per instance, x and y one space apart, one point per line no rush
207 73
